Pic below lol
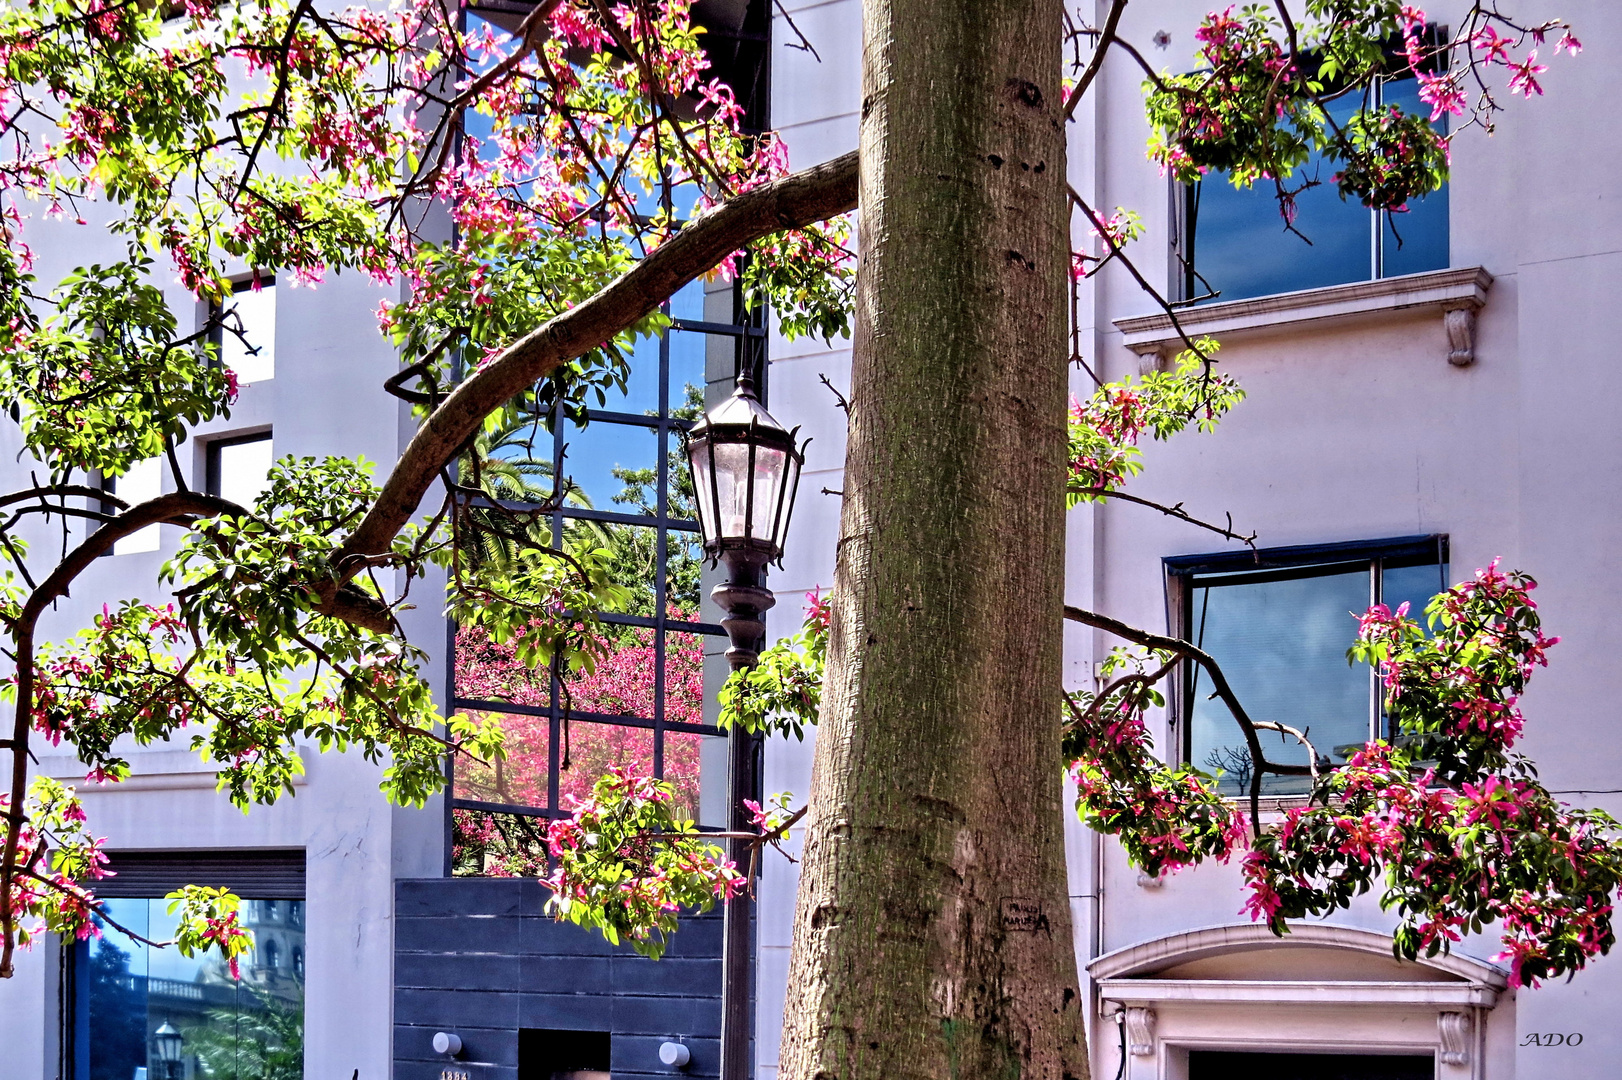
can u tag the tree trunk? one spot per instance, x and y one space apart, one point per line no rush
932 935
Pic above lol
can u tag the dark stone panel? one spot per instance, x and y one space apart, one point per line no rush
489 1046
465 896
666 1017
568 1012
546 936
670 976
457 971
640 1054
453 935
697 938
436 1070
566 974
446 1009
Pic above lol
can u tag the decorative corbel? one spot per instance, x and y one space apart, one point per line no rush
1140 1031
1460 323
1453 1032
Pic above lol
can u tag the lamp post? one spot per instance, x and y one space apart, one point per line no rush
167 1045
746 471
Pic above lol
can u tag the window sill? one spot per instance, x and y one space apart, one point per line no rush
1455 294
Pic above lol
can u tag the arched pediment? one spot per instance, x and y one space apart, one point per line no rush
1311 951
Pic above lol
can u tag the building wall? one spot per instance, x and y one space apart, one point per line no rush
1352 431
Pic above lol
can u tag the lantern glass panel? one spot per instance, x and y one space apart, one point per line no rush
732 490
768 490
704 488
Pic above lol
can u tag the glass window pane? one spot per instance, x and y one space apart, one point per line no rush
1417 240
241 469
614 466
112 1029
255 360
641 393
687 371
520 779
696 766
490 671
1414 586
688 303
516 461
250 1028
622 682
635 556
684 562
1282 645
1240 245
485 844
684 678
142 482
594 749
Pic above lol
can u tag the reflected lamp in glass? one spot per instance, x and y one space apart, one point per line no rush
167 1045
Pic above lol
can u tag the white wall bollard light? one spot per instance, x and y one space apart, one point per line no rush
674 1054
447 1043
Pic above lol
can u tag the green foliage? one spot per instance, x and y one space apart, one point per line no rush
1105 429
783 692
627 865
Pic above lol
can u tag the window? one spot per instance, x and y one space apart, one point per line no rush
239 467
1233 243
252 354
143 481
643 708
1279 623
122 991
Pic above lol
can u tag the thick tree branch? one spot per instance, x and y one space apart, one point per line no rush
796 201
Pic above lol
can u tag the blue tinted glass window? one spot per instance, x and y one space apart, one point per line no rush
1282 643
1236 243
216 1026
1281 638
1416 240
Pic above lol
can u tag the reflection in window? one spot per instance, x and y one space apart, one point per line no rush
1235 245
141 482
239 469
123 990
1281 636
252 353
641 708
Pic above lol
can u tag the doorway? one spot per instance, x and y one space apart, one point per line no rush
1244 1065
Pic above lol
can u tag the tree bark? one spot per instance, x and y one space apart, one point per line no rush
932 934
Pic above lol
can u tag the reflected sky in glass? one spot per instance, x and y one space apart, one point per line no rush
1282 645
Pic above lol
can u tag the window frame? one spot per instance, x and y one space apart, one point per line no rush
1184 572
211 454
216 327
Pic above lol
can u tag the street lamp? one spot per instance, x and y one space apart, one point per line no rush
746 471
167 1045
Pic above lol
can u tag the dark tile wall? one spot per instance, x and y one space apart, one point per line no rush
480 957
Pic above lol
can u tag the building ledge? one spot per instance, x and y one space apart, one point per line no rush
1294 992
1454 294
151 770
